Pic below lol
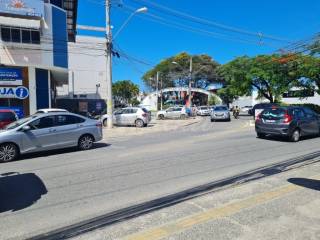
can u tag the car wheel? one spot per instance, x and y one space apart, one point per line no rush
261 135
139 123
105 122
85 142
295 136
8 152
161 117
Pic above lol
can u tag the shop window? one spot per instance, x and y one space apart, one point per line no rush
5 34
26 36
20 35
35 37
15 35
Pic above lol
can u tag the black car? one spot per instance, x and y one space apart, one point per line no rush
260 106
290 122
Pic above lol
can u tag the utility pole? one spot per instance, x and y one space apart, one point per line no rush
161 95
109 64
157 89
190 83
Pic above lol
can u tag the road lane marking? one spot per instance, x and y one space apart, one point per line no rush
213 214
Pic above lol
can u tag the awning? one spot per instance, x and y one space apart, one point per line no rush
19 22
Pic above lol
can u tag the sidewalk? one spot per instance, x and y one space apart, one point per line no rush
283 206
155 126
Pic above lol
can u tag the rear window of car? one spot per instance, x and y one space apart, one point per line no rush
220 109
7 116
273 113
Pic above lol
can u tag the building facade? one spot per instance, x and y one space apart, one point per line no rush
86 90
34 38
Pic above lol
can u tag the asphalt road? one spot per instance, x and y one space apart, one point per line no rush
57 189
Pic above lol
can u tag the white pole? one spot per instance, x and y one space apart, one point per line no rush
109 64
157 87
190 81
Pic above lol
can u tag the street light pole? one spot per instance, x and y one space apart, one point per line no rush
109 40
157 88
109 64
190 83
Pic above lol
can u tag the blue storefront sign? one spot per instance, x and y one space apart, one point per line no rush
17 110
11 76
22 7
14 92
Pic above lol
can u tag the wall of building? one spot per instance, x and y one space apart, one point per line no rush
87 69
252 100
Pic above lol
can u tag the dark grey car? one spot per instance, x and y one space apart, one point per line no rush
42 132
290 122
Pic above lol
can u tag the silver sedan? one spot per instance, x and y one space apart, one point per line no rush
42 132
220 113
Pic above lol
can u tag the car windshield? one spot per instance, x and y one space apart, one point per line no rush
19 122
221 108
273 113
204 108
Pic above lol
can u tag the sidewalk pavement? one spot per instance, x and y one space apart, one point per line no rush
155 126
283 206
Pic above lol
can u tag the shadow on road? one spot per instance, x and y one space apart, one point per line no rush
284 139
305 182
19 191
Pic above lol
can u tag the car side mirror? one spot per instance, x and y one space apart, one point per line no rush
26 128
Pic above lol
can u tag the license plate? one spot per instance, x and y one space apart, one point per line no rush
270 121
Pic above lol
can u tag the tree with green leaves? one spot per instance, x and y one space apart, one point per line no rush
125 92
314 47
174 71
309 70
270 75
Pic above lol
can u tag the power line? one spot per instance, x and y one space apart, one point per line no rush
172 24
189 17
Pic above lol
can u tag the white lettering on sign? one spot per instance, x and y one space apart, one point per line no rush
14 92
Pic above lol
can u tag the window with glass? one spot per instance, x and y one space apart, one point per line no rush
20 35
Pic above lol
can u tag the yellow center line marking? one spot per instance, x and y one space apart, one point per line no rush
213 214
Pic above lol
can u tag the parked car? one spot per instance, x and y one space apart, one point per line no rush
134 116
203 111
290 122
48 131
258 108
246 110
50 110
7 117
172 113
220 113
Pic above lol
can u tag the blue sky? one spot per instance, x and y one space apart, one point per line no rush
145 41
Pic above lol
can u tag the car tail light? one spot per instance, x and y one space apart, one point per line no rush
99 124
287 118
144 115
258 117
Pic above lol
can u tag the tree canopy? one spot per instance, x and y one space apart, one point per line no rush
125 91
204 71
270 75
